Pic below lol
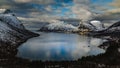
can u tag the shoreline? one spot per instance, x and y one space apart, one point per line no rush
99 61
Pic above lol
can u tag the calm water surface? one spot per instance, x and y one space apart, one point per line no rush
59 46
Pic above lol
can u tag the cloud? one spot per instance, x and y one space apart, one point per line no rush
22 1
54 7
25 7
116 10
80 9
23 4
111 12
116 3
87 2
35 1
82 12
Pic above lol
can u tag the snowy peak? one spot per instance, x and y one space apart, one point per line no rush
5 11
12 30
93 25
7 16
11 20
117 24
97 25
59 26
8 11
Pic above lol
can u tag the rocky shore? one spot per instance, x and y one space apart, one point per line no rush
110 59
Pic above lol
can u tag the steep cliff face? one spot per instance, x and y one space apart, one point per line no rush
12 31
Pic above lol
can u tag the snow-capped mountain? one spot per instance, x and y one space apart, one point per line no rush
113 28
111 31
93 25
61 26
9 18
115 25
97 25
12 30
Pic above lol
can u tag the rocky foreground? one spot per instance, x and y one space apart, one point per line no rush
110 59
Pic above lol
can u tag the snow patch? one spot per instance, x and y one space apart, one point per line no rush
60 26
2 10
97 24
11 20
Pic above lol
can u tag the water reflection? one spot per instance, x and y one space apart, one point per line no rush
110 59
59 46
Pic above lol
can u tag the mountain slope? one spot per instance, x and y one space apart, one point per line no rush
61 26
12 31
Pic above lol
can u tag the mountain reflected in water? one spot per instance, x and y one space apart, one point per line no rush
109 59
60 46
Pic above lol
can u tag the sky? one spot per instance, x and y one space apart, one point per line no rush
80 9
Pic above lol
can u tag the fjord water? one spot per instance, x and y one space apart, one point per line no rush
59 46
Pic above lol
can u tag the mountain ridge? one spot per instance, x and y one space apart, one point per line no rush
12 31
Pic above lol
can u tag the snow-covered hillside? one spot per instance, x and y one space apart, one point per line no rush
12 30
61 26
97 25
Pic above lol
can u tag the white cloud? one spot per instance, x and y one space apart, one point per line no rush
22 1
82 2
80 9
82 12
116 10
115 3
48 8
34 1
